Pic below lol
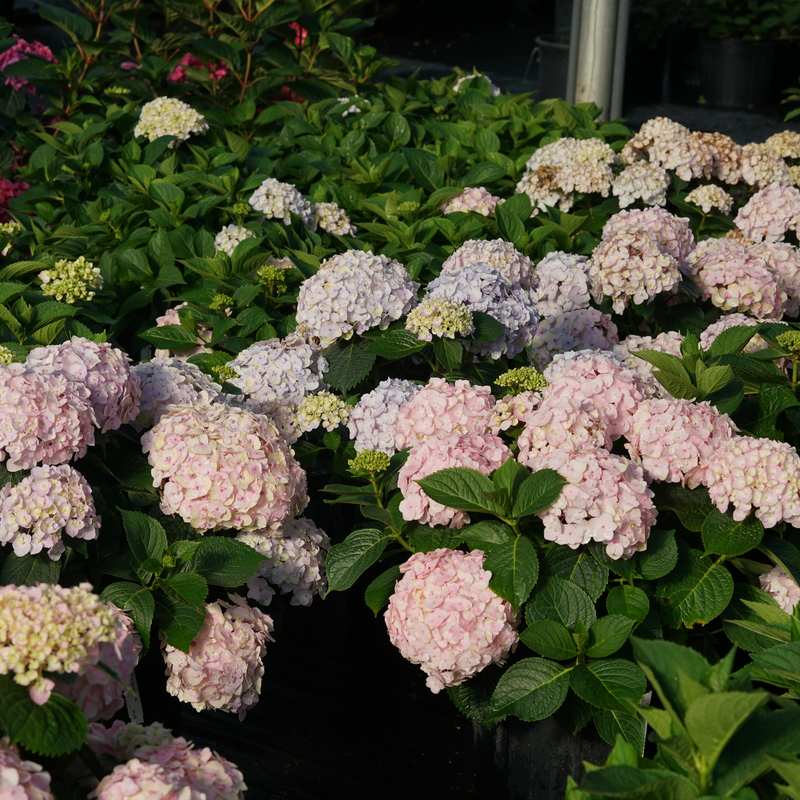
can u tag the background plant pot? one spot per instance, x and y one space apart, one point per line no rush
737 73
553 66
518 760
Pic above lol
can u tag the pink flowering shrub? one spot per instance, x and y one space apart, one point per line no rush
484 453
441 408
770 213
21 780
221 467
479 200
497 253
779 584
19 51
606 500
8 191
215 71
444 617
223 668
579 329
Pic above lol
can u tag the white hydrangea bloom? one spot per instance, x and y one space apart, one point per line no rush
230 235
497 253
323 408
438 316
276 200
710 196
333 219
641 181
372 421
167 116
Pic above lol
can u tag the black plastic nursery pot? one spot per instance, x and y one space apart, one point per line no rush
553 57
736 73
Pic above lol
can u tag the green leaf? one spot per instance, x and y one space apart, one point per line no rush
224 562
608 634
628 601
576 567
713 379
482 173
560 601
549 639
138 602
29 570
515 568
395 344
449 352
461 488
377 594
180 621
519 205
696 591
397 128
79 28
531 689
611 724
349 362
188 587
614 684
425 539
348 560
723 535
145 535
537 492
732 340
745 627
473 698
779 665
509 226
170 337
424 166
56 728
691 505
783 553
660 557
627 783
487 328
487 534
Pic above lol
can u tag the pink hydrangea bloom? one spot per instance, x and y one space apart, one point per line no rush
94 691
441 408
301 34
631 265
671 146
673 439
373 420
761 167
479 200
49 503
666 342
673 233
759 475
482 452
769 213
19 51
561 284
223 668
606 500
444 617
641 181
294 561
215 71
731 321
103 369
784 260
8 191
778 583
220 467
579 329
21 780
497 253
44 419
513 410
46 628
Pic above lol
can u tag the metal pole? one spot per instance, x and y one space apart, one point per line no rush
596 57
574 47
620 49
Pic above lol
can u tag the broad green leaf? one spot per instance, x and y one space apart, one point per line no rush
348 560
224 562
187 587
53 729
395 344
614 684
448 352
79 28
180 621
509 226
577 567
487 328
790 772
28 570
515 568
145 535
723 535
660 557
713 379
424 539
627 783
170 337
531 689
549 639
473 698
397 128
487 534
349 362
560 601
696 591
377 594
425 168
779 665
607 635
611 724
732 340
691 505
461 488
783 553
537 492
138 601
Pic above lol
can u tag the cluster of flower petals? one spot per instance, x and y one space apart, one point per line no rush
224 467
769 213
761 167
168 116
670 145
8 191
709 196
323 408
673 233
19 51
561 284
216 72
785 144
726 156
444 617
665 342
497 253
351 293
543 187
782 259
21 780
479 200
513 410
277 200
223 668
779 584
641 181
579 329
333 219
231 235
373 420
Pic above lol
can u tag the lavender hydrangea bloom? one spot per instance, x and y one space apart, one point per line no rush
497 253
372 421
562 284
484 288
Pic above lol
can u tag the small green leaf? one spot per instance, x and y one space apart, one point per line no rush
487 328
660 557
377 594
614 684
611 724
395 344
723 535
170 337
348 560
138 602
224 562
487 534
531 689
349 362
146 537
549 639
628 601
515 568
607 635
561 601
537 492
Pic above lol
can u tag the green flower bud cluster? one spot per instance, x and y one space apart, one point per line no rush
273 277
241 209
71 280
790 340
408 206
221 302
371 461
522 379
224 372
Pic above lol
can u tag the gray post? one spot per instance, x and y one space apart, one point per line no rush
574 47
595 68
620 47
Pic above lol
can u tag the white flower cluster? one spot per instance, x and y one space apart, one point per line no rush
324 409
230 235
166 116
372 421
71 280
333 219
438 316
641 181
562 284
497 253
710 196
276 200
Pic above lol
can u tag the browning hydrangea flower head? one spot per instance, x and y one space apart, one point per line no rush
170 381
631 265
759 475
761 167
709 196
114 389
484 288
521 379
731 321
737 280
666 342
497 253
94 691
230 235
373 420
779 584
726 156
560 283
467 79
479 200
47 628
641 181
50 503
168 116
21 780
444 617
438 316
333 219
513 410
482 452
276 200
351 293
322 408
279 370
606 500
673 233
43 418
581 329
221 467
673 439
441 408
671 146
71 281
294 562
223 668
161 767
769 213
541 184
783 260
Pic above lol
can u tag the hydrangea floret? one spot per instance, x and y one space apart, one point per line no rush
444 617
769 213
231 235
223 668
513 410
561 284
71 281
478 199
168 116
19 779
6 356
779 585
673 233
333 219
497 253
579 329
726 155
441 317
761 167
273 276
709 196
373 419
277 200
322 408
521 379
641 181
783 260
